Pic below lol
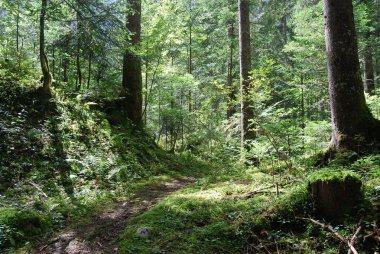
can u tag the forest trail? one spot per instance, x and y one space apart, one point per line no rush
100 233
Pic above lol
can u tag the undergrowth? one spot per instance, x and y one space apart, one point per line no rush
61 160
215 215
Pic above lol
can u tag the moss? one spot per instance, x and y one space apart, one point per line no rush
18 225
330 175
295 202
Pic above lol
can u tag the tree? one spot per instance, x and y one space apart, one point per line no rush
132 78
245 66
231 109
47 77
351 118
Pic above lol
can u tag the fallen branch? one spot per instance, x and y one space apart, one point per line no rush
252 193
38 188
262 190
355 236
331 230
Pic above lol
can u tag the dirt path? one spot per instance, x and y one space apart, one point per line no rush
100 234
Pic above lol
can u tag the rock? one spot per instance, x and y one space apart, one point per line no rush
77 247
143 232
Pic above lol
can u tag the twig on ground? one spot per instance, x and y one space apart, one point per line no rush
331 230
355 236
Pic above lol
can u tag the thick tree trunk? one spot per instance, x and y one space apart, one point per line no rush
132 78
245 66
231 109
351 117
47 77
369 77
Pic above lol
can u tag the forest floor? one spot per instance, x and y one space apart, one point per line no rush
87 186
99 233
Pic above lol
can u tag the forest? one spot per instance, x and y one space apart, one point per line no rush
189 126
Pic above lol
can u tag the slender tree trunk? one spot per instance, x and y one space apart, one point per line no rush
369 77
303 125
351 117
79 71
132 78
190 63
18 36
245 66
231 110
65 70
18 27
89 69
47 77
53 62
146 91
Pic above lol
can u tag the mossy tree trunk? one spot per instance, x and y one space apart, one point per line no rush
47 77
245 66
351 117
132 77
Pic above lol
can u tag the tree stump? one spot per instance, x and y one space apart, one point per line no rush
335 194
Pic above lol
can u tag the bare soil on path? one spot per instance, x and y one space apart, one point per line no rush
100 233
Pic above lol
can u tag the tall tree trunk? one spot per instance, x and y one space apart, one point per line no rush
145 113
132 78
18 27
190 60
79 70
245 66
47 77
18 36
351 117
369 77
231 110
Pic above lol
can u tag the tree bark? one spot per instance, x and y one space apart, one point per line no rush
351 117
132 78
245 66
47 77
231 109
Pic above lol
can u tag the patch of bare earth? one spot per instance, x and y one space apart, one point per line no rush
100 233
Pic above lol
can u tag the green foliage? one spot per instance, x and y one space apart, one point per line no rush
18 225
